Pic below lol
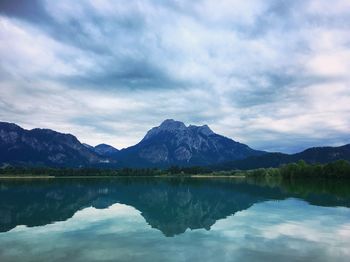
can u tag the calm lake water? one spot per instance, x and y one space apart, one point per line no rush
167 219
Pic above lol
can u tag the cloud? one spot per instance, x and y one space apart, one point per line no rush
272 74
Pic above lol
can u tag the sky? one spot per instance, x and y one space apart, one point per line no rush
273 74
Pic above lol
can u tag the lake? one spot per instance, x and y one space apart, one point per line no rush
173 219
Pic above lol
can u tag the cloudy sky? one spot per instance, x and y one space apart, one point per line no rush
270 73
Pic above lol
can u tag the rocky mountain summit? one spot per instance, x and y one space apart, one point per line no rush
174 143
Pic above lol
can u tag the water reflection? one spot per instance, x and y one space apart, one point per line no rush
170 205
133 219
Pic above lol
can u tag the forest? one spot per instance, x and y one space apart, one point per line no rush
300 169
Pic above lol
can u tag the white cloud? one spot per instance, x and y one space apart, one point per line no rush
28 53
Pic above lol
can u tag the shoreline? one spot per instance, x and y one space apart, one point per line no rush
213 176
159 176
26 177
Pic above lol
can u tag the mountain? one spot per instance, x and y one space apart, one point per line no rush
102 149
324 154
311 155
170 143
105 150
43 147
174 143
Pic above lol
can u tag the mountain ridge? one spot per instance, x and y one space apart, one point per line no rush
170 143
42 147
313 155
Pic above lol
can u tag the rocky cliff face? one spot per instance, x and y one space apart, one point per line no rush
173 143
42 147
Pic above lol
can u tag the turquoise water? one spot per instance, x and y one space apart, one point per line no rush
171 220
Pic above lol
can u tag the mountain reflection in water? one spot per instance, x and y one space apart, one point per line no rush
170 205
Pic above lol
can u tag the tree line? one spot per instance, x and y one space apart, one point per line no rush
337 169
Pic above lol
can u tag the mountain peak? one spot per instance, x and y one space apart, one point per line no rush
105 150
168 125
171 124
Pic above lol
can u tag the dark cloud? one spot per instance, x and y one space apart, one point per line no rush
129 74
29 10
